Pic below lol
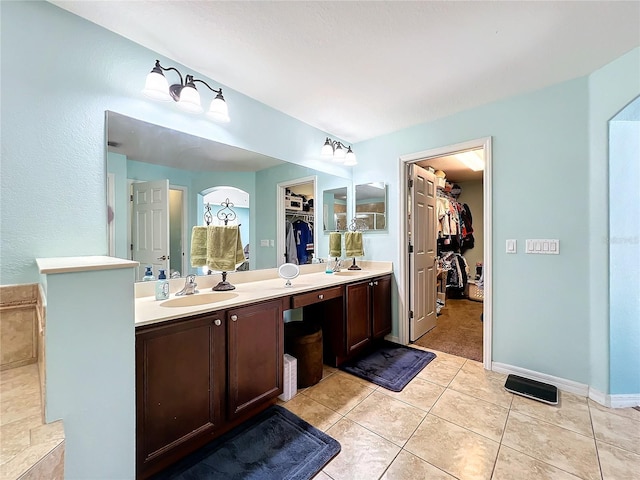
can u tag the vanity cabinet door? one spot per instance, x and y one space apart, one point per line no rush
179 388
381 306
358 313
255 345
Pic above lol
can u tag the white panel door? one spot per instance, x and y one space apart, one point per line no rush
422 261
150 226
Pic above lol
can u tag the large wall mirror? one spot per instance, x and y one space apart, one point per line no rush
334 203
371 206
157 161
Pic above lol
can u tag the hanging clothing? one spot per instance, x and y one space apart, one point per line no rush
291 253
303 238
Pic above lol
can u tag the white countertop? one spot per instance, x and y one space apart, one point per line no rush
149 310
82 264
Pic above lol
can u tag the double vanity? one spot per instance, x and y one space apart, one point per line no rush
207 362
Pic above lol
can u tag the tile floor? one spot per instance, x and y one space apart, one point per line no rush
455 420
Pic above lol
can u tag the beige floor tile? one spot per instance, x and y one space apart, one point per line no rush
364 455
19 375
618 464
513 465
15 436
616 430
361 381
11 411
418 393
313 412
562 448
443 356
572 411
322 476
441 370
50 467
484 418
629 412
26 459
482 384
456 450
47 433
339 393
409 467
391 419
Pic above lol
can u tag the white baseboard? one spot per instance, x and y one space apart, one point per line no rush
611 401
393 338
615 401
561 383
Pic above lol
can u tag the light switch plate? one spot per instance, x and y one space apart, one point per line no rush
512 245
542 246
264 243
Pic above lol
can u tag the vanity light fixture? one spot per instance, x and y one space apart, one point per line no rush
336 149
184 93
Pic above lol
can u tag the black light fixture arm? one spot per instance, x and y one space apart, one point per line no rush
193 80
336 143
167 69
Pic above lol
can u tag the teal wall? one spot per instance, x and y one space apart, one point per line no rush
611 88
90 379
540 151
624 255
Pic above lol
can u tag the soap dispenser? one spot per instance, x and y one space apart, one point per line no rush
148 275
162 287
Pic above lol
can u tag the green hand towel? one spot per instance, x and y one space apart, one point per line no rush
335 244
353 244
198 246
224 248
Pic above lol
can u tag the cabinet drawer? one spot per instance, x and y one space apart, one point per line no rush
316 296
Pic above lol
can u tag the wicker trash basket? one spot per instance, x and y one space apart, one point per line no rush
303 340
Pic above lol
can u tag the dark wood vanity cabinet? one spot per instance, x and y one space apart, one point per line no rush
381 306
255 343
180 386
358 316
367 312
198 377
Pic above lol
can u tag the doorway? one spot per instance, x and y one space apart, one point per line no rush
407 264
295 202
157 227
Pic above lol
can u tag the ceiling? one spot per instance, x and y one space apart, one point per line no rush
362 69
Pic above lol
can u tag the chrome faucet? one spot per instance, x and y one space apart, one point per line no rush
189 286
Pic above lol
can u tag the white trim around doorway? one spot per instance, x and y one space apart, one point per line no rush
403 274
281 216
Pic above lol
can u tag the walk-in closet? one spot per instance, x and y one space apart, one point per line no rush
459 236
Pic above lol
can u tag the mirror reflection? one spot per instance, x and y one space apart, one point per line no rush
371 206
175 175
334 210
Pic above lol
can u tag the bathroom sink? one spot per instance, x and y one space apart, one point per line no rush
347 273
198 299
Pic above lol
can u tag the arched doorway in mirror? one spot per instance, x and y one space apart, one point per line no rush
239 202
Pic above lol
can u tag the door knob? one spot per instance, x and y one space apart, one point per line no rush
163 257
234 317
217 322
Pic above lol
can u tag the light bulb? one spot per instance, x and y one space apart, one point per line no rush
190 99
218 109
156 87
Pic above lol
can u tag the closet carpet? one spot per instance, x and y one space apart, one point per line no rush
458 330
